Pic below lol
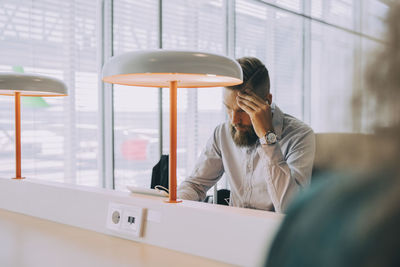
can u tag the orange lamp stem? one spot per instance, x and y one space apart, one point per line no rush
173 141
18 136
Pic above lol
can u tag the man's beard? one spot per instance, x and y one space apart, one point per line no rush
245 138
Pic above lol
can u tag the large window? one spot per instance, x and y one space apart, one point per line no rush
314 50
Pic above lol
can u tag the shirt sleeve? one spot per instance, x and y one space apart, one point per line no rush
208 170
286 175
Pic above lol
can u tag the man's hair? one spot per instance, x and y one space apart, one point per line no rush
255 77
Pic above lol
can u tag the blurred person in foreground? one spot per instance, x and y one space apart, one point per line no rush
354 219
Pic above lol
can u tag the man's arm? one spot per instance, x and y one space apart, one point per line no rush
286 176
208 170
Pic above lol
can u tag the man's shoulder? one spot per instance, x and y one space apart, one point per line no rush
292 124
222 135
222 129
219 139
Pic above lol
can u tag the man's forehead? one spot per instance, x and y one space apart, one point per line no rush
229 98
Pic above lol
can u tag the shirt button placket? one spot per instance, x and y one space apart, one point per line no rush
250 171
248 178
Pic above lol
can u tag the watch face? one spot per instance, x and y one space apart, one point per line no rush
271 138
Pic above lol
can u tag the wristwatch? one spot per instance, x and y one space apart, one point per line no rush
268 139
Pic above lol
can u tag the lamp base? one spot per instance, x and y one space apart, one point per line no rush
173 201
18 178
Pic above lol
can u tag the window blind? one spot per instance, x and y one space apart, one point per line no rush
295 5
275 38
200 26
136 119
57 38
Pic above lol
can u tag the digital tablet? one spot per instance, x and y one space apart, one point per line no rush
147 191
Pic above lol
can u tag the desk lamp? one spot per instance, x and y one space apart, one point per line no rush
24 84
173 69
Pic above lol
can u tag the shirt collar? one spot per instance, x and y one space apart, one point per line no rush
277 120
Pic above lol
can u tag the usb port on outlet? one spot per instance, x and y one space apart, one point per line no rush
131 219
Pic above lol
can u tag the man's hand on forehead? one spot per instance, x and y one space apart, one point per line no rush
258 110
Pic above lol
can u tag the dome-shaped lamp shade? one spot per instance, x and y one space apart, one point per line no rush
173 69
24 84
156 68
31 85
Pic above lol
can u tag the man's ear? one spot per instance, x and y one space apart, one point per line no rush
269 99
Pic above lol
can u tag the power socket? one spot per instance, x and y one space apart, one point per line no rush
125 219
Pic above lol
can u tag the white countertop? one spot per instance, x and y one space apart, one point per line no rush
44 222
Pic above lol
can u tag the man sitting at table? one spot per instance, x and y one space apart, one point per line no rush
266 155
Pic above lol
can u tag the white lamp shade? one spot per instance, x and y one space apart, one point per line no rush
31 85
157 68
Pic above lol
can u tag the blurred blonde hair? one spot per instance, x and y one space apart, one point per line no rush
380 103
383 75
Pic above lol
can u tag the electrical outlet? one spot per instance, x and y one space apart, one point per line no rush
125 219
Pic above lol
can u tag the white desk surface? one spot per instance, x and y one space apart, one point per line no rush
29 241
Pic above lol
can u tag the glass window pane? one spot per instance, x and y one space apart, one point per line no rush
136 119
59 135
337 12
332 73
295 5
136 139
275 37
374 13
193 25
